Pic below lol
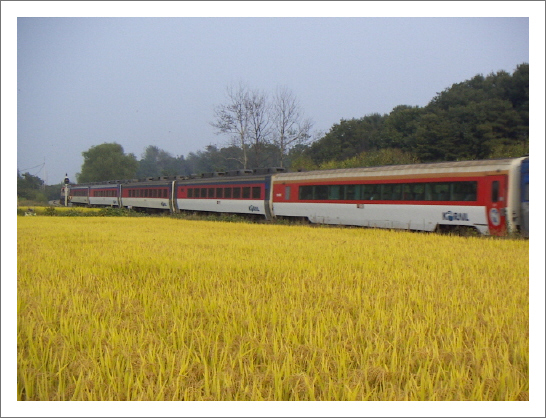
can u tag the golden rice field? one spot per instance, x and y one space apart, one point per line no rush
166 309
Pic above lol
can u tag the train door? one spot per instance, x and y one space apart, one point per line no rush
495 198
173 196
524 198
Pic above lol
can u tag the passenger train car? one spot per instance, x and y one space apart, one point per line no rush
491 196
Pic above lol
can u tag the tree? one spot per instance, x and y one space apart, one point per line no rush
400 126
259 122
289 127
30 187
107 162
348 138
259 125
233 118
157 162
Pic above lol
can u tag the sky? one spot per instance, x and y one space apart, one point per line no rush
79 74
84 81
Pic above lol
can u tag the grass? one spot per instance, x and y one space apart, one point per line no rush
174 309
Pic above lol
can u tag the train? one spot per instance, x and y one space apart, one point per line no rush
488 196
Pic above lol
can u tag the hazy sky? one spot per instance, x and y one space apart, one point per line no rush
155 81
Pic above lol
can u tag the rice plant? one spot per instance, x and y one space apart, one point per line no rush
174 309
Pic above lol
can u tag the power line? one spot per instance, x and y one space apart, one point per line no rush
25 169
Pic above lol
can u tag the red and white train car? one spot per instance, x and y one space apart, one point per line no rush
484 195
104 195
244 193
79 195
150 194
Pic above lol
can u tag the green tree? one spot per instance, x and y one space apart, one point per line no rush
348 138
400 127
107 162
157 162
30 187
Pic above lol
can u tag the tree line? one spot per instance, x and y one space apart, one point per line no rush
480 118
483 117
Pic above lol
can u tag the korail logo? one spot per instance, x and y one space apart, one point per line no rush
454 216
253 208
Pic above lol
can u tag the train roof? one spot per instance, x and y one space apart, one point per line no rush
474 166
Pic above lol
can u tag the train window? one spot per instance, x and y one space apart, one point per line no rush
495 191
211 193
526 192
371 191
227 193
350 192
219 193
391 192
464 190
416 192
321 193
407 192
287 193
256 192
203 192
334 192
386 191
440 191
306 192
236 192
246 192
190 192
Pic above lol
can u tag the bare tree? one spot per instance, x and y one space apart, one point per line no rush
259 121
289 127
233 118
